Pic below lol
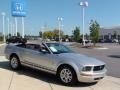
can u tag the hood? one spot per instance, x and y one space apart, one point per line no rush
80 59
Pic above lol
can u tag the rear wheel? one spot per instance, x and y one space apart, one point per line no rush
67 75
14 62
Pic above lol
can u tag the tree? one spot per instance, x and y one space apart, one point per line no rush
53 34
18 34
94 31
40 34
48 34
9 35
115 34
76 34
66 36
1 38
56 33
87 36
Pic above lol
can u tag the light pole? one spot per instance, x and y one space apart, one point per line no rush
59 25
42 32
13 29
23 27
83 4
3 14
16 26
8 26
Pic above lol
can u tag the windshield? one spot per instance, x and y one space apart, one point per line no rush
57 48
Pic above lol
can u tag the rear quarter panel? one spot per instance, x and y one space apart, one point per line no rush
12 49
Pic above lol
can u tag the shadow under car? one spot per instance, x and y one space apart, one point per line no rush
40 75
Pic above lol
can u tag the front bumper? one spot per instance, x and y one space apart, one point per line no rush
91 76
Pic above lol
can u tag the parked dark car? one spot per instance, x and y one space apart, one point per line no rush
15 39
106 41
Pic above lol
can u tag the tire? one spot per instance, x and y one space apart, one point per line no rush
67 76
15 62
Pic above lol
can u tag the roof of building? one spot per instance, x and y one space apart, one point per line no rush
112 27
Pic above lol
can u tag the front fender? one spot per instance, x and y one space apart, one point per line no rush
75 66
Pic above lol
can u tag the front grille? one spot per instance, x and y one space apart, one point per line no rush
98 68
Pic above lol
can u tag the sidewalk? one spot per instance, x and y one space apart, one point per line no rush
29 79
2 44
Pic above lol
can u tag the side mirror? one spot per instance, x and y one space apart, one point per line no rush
44 51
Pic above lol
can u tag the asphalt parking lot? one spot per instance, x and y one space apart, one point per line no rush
110 54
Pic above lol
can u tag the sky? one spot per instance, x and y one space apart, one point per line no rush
45 13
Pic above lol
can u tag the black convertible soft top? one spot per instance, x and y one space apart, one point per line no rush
16 39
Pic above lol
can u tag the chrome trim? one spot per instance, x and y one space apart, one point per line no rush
36 66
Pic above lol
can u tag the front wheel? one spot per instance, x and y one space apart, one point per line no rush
67 75
14 63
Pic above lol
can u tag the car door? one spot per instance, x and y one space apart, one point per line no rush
39 59
44 60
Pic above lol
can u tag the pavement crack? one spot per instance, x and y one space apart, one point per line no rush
50 86
116 83
91 88
11 81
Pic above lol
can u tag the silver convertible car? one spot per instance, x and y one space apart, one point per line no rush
57 59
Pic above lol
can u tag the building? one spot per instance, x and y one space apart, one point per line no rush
110 33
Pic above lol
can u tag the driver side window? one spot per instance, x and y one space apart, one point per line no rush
36 47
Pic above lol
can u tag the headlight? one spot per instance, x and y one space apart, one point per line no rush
87 68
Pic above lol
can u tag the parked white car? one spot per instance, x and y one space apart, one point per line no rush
115 41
